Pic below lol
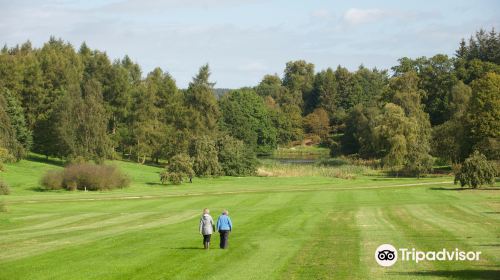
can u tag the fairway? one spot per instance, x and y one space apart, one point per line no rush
284 228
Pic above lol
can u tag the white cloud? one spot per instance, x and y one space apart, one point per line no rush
358 16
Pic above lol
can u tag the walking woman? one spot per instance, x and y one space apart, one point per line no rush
207 227
224 226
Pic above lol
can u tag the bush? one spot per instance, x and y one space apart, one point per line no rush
86 176
179 167
4 188
204 153
5 156
475 171
53 180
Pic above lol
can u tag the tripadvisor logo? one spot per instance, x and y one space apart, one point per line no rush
387 255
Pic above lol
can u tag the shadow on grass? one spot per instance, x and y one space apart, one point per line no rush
38 189
146 163
465 189
154 184
458 274
43 159
489 245
185 248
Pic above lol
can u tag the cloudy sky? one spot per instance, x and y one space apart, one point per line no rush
243 40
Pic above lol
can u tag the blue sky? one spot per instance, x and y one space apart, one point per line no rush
243 40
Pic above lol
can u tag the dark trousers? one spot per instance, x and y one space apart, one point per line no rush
206 238
224 235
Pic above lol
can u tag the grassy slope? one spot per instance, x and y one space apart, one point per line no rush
285 228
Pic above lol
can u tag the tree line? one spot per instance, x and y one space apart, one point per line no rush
80 105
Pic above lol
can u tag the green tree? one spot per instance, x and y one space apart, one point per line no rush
235 158
62 72
484 46
157 107
18 122
203 150
317 123
408 96
200 98
359 137
298 79
10 146
476 171
483 115
346 87
450 139
245 116
403 131
77 126
325 91
272 86
146 128
179 167
392 130
436 78
369 85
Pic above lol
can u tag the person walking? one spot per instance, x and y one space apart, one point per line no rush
224 226
207 227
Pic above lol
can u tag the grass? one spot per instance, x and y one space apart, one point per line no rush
304 227
270 168
302 151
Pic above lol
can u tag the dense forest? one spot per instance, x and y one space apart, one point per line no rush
79 105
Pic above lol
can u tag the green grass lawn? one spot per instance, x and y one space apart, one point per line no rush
284 228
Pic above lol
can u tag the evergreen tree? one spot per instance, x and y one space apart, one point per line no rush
10 148
18 122
200 99
325 91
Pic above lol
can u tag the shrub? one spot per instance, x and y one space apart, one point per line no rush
204 153
86 176
53 180
179 167
475 171
5 156
4 188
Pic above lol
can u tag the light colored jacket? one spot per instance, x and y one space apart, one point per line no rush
206 224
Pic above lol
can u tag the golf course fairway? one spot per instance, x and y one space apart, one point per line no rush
284 228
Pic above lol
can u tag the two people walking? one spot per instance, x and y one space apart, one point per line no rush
207 227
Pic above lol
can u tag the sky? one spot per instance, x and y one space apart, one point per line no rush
242 40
